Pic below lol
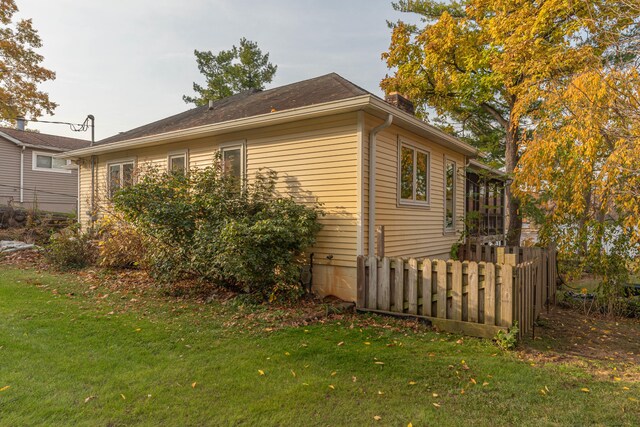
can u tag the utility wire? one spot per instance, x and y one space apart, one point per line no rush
76 127
38 191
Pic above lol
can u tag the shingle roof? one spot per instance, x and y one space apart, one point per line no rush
330 87
45 140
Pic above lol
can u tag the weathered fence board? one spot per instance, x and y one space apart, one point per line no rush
477 298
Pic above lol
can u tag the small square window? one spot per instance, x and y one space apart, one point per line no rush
178 162
120 175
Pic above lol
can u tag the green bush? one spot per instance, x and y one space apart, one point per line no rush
209 226
70 248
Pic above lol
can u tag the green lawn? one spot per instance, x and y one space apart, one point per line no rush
73 355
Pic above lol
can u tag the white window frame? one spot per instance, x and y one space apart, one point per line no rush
444 195
176 154
243 158
413 202
119 162
34 162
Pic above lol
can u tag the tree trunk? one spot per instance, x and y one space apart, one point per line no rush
513 220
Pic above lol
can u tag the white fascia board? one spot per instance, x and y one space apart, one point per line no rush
412 123
364 102
269 119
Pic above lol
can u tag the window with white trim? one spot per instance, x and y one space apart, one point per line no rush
413 179
232 157
177 162
42 161
120 175
450 195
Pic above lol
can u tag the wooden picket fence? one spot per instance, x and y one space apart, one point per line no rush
474 298
545 257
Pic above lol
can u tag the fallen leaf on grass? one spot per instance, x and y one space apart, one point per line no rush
435 394
484 384
412 383
379 363
633 399
354 379
473 381
367 343
437 405
331 386
89 398
333 374
380 393
624 388
377 417
293 373
340 343
7 387
617 379
409 425
260 372
193 384
123 396
584 389
286 353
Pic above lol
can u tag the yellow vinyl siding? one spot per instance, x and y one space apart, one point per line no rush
315 159
415 231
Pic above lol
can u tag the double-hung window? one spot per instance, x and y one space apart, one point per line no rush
178 162
450 196
120 175
232 156
42 161
413 176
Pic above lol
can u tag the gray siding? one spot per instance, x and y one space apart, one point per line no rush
9 172
49 190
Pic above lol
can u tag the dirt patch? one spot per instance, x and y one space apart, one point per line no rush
605 346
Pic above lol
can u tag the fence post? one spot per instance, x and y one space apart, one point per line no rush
372 297
380 240
361 282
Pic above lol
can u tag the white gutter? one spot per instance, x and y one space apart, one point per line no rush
372 182
370 103
22 174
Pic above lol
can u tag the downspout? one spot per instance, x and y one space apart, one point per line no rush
372 182
93 173
22 175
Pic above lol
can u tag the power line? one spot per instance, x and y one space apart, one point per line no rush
76 127
38 191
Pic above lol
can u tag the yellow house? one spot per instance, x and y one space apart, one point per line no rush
328 139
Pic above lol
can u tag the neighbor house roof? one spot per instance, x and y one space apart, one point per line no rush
320 96
42 140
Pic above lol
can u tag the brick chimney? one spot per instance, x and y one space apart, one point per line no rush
397 100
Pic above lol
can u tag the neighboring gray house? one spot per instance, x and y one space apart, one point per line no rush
31 176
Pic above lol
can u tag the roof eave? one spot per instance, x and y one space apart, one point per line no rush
363 102
269 119
23 144
411 122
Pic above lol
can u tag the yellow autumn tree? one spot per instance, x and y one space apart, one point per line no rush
484 65
20 69
581 173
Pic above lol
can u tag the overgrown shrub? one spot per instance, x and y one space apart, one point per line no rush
70 248
214 227
120 245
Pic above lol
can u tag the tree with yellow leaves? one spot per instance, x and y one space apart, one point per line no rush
485 64
20 69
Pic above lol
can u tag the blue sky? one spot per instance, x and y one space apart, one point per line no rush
128 62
